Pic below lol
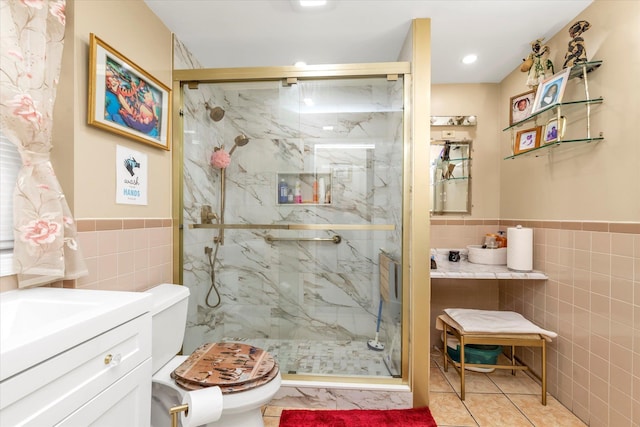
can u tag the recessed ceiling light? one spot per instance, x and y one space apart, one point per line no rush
469 59
300 64
308 102
312 3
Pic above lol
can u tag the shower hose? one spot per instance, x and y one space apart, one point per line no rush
212 261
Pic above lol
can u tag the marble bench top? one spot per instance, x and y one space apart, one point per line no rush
464 269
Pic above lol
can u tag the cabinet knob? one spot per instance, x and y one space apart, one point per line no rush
112 360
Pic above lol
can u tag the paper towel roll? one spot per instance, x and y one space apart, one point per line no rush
520 248
205 406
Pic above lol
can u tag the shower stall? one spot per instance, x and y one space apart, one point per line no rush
292 188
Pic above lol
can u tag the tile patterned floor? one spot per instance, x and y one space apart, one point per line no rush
341 358
498 399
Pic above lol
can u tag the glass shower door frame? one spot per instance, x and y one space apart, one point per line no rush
288 75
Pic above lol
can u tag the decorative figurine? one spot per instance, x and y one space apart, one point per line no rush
537 63
577 53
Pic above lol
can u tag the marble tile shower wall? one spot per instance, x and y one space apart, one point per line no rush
592 300
304 290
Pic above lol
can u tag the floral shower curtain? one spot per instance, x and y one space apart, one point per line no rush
31 38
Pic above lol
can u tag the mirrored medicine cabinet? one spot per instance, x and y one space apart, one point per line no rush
450 176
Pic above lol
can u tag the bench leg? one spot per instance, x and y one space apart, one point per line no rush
513 359
544 372
444 349
462 369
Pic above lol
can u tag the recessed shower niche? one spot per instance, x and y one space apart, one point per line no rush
303 188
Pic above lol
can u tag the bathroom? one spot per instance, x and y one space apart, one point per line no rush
581 207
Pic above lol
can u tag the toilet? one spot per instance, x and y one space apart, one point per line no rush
241 403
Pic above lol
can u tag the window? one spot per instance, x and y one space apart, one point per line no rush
9 166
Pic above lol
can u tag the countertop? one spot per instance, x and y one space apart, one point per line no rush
464 269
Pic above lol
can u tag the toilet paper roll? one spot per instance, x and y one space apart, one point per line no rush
520 248
205 406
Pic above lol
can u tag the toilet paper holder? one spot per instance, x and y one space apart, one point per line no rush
175 411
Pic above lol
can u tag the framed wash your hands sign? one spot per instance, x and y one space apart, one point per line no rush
125 99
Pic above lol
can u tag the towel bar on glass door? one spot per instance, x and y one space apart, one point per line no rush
335 239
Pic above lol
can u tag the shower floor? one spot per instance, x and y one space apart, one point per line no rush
335 358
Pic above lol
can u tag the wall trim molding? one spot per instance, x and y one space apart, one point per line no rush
106 224
603 226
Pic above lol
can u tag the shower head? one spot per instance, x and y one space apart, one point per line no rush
240 141
216 113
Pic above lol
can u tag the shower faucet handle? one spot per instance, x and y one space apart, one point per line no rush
207 214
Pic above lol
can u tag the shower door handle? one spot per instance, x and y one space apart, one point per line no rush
335 239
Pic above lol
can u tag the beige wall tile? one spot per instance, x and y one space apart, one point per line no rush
92 277
141 259
620 406
622 289
107 242
622 244
622 267
601 242
599 348
141 238
107 267
600 284
88 243
582 240
126 242
601 263
125 263
599 408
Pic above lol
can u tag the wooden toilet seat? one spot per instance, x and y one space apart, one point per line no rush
233 367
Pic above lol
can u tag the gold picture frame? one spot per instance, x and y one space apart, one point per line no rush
554 130
520 106
527 139
125 99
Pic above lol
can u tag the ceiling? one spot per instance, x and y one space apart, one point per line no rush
251 33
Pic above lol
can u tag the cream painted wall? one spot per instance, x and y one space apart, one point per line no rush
84 156
598 182
482 100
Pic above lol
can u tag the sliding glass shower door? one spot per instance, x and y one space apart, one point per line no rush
292 190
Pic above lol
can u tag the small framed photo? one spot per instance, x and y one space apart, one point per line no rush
125 99
550 91
520 106
527 139
553 130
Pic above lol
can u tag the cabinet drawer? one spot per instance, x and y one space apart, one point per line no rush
125 403
48 392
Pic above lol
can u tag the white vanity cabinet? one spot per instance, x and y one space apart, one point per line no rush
103 379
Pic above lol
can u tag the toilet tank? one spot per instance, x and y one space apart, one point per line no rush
168 322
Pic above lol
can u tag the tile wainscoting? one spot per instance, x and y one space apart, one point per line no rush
592 299
125 254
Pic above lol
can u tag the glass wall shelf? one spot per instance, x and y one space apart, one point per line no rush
566 107
453 179
559 111
537 152
579 69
